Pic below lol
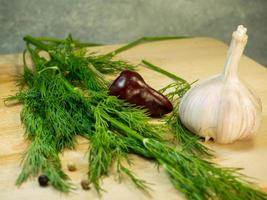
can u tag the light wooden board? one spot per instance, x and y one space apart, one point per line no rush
192 59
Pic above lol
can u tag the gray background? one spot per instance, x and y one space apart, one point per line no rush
117 21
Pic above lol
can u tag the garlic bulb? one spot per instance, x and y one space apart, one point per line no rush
222 107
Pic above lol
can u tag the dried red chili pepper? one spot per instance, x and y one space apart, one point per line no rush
131 87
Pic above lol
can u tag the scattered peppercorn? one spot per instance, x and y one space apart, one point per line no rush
71 167
131 87
43 180
85 184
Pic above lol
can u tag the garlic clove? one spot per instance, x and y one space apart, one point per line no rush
222 107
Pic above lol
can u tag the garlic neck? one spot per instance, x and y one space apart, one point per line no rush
238 43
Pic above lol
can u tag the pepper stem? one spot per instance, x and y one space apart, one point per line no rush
238 43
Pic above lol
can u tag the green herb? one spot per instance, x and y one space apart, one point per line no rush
67 92
162 71
197 178
142 41
174 91
108 147
66 95
57 41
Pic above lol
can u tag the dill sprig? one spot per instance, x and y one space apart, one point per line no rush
174 91
197 178
105 64
108 147
42 153
52 116
66 95
201 179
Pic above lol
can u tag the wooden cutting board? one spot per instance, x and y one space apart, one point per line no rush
192 59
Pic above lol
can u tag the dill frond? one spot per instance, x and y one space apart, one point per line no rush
107 148
201 179
175 91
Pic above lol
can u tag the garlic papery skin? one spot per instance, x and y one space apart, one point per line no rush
222 107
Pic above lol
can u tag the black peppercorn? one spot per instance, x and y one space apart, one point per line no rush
43 180
71 167
85 184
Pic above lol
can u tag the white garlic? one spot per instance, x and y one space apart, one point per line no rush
222 107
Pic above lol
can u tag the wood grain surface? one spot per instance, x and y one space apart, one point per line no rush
196 58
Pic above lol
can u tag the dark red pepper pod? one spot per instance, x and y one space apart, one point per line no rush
131 87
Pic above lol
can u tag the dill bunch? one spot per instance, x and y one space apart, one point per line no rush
66 95
65 92
52 115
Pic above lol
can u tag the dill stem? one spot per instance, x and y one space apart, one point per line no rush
162 71
61 41
49 68
123 127
37 43
142 41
